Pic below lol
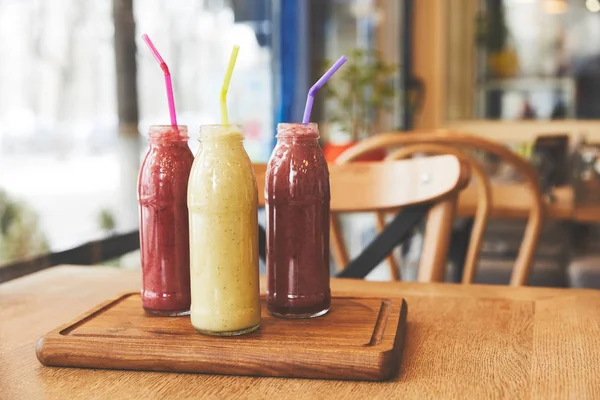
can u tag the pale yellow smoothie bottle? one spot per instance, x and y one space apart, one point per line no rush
222 204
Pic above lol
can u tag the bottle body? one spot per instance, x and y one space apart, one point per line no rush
297 208
223 206
164 240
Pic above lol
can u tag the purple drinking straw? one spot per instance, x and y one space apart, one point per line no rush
311 93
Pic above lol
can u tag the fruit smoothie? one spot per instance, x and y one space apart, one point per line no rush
223 204
297 209
164 240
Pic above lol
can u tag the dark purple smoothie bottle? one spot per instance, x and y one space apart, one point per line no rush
297 208
164 234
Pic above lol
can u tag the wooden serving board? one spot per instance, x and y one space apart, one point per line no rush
360 339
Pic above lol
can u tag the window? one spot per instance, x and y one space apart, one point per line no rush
63 179
524 59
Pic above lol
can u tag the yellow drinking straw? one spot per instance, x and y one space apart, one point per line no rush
225 87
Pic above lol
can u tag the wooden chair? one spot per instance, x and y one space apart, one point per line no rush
388 186
483 206
527 250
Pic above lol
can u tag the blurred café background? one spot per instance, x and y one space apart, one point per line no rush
79 90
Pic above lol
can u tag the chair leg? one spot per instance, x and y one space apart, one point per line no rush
340 254
262 243
434 256
395 233
460 251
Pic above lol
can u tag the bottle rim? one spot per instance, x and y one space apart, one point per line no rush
168 132
212 132
298 130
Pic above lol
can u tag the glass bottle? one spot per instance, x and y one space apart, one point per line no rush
164 240
297 208
223 204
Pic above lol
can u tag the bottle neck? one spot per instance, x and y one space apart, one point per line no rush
298 133
161 135
222 144
298 141
220 133
162 142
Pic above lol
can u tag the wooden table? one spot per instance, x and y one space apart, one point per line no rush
462 342
511 200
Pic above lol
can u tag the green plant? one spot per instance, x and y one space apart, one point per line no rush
358 91
106 220
20 234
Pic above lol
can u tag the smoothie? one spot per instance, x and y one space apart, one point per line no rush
297 208
223 202
164 240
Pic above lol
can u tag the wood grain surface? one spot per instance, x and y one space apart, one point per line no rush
359 338
510 200
462 341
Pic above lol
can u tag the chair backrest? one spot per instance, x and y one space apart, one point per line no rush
386 186
532 231
379 186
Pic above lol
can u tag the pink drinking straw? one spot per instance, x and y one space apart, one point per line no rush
311 93
163 66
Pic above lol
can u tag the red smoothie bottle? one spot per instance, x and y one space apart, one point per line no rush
164 234
297 209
